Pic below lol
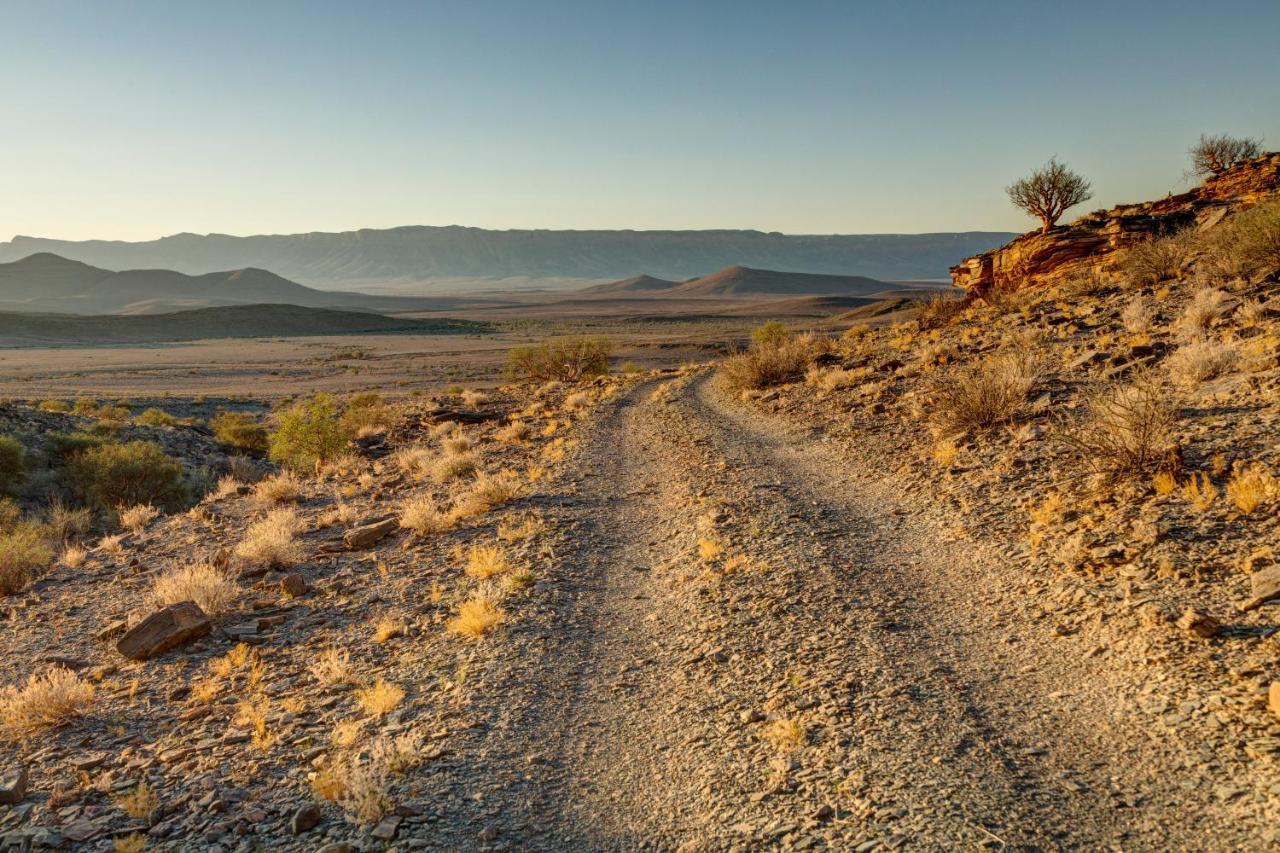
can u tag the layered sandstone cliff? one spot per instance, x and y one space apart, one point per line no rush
1093 243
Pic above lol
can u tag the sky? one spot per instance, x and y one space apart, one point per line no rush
133 120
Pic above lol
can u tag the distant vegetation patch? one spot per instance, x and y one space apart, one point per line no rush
561 359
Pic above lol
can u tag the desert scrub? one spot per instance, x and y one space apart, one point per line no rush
44 701
13 463
423 517
940 310
240 430
1126 430
308 434
982 395
476 616
284 487
562 359
1201 359
135 518
776 356
139 472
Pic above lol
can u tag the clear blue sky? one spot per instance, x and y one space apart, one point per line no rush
131 120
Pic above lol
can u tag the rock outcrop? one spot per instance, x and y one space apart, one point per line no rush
1092 244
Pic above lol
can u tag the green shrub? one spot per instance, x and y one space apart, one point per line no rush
24 549
13 463
85 406
563 359
154 417
308 434
10 514
113 413
240 429
138 472
772 333
59 406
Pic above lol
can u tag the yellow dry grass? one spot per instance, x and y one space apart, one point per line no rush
45 700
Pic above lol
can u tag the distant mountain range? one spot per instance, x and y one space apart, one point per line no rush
45 282
746 281
422 254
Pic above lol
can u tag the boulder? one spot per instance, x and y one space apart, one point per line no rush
13 785
1200 624
294 585
164 630
1264 586
369 534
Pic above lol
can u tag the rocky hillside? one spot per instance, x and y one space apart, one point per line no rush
1095 244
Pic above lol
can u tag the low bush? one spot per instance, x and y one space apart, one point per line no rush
1247 245
240 430
982 395
138 472
366 413
13 463
1152 261
308 434
939 310
56 406
1126 430
775 357
24 551
154 417
562 359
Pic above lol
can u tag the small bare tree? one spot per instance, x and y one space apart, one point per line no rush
1048 192
1213 155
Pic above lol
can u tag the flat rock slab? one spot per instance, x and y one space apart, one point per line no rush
1265 585
164 630
369 534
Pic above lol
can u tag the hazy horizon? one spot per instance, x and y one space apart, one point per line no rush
139 121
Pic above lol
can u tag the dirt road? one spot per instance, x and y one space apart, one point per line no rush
845 673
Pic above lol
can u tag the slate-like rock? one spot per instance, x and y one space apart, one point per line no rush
164 630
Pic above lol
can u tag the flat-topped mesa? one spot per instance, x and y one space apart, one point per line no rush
1091 245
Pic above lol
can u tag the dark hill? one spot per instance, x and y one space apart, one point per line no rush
45 282
636 284
239 321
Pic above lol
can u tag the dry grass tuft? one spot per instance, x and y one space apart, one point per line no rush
1200 492
135 518
46 700
485 561
1206 307
284 487
423 517
514 432
387 628
1155 260
272 541
1251 486
477 616
211 588
73 556
414 461
487 492
784 733
140 803
521 528
380 699
451 466
1201 359
577 401
1138 316
332 667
